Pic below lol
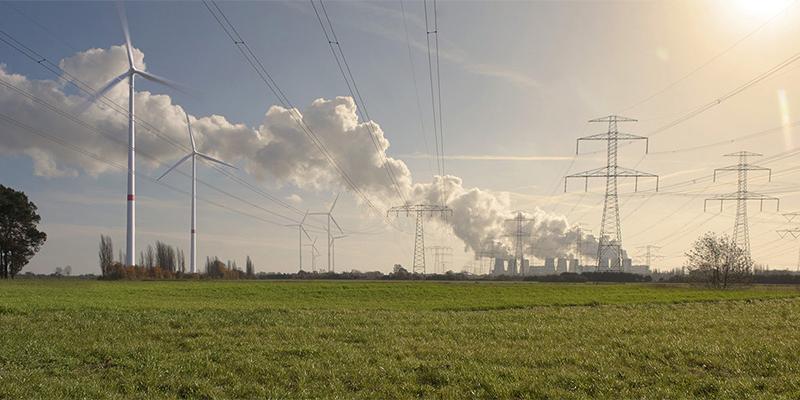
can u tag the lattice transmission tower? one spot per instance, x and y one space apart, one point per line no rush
650 255
741 231
442 256
610 240
519 234
793 232
418 264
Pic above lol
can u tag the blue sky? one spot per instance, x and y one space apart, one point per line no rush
519 79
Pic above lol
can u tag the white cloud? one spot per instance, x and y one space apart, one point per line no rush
277 148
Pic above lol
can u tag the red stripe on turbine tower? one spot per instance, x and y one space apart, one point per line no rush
131 197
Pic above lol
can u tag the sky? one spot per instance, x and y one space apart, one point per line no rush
519 81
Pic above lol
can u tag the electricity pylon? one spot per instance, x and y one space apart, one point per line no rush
418 264
741 232
518 234
440 255
793 232
648 254
610 232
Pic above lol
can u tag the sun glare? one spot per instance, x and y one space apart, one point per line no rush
761 8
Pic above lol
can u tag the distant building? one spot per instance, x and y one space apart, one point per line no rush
499 266
512 266
561 265
626 264
638 269
549 265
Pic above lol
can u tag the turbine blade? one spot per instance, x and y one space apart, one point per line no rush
336 223
186 157
191 135
304 218
209 158
334 202
102 92
123 19
305 232
161 80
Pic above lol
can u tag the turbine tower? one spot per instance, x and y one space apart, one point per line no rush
610 240
301 230
418 265
130 74
193 155
314 254
329 215
333 249
741 232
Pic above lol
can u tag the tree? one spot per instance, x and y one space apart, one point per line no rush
181 261
106 254
250 268
68 270
19 237
718 261
165 256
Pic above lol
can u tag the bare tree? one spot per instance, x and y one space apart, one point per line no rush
250 268
149 257
181 261
165 256
68 270
106 254
718 261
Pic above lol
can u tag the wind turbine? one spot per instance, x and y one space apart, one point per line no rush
130 74
314 253
333 248
193 155
301 230
328 229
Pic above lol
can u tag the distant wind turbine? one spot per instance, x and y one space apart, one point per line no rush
301 231
314 253
193 155
130 74
328 229
333 248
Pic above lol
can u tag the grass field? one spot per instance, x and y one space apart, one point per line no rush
376 340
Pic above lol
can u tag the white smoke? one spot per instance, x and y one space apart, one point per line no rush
278 148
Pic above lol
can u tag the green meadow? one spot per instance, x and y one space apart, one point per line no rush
395 340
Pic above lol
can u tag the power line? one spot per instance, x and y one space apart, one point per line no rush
355 93
424 132
709 61
436 88
86 153
255 62
93 129
84 87
728 95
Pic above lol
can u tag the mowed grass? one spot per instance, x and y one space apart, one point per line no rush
376 340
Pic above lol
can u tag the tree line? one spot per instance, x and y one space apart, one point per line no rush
164 261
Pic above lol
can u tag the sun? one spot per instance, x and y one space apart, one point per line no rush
761 8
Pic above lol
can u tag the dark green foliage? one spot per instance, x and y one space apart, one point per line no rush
19 237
